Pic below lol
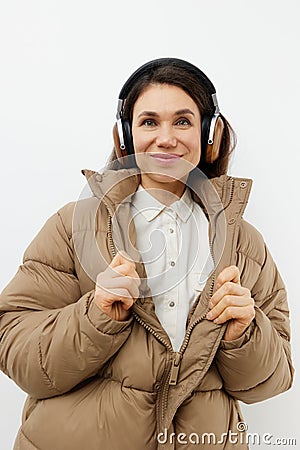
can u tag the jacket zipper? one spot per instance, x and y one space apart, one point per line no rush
153 332
109 230
177 356
172 373
231 193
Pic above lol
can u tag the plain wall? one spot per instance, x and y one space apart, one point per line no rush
63 64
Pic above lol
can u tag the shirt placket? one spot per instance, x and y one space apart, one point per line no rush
172 296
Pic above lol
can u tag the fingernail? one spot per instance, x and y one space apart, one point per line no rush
209 315
210 305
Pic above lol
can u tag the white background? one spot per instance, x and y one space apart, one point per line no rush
62 65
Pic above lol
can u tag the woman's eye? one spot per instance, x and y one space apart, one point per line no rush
148 123
183 122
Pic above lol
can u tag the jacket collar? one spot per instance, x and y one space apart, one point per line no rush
150 207
117 186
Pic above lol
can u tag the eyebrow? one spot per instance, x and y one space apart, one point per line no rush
177 113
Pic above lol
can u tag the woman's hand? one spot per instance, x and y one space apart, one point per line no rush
117 288
231 302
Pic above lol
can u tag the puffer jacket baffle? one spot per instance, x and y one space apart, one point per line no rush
96 383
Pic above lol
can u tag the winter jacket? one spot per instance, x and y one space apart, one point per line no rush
96 383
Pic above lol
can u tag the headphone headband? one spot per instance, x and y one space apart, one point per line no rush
162 62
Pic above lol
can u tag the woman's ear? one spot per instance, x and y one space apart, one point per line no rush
213 150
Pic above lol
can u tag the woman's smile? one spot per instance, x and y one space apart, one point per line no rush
165 158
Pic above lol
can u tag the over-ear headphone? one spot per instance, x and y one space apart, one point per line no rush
212 126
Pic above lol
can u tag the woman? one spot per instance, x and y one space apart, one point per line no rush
141 315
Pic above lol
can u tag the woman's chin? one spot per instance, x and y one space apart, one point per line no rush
165 174
154 179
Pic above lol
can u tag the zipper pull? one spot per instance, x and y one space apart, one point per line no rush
175 369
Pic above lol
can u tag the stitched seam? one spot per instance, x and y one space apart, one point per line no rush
22 432
47 265
200 391
128 387
264 299
51 383
249 257
63 225
94 346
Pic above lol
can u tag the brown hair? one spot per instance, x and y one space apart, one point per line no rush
178 76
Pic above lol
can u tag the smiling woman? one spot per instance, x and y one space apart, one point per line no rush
166 127
217 137
151 308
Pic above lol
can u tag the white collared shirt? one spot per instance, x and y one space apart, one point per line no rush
174 246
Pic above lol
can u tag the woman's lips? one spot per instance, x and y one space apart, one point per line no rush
165 157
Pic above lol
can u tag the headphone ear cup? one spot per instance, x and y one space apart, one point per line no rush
128 141
213 150
210 152
122 153
116 137
205 125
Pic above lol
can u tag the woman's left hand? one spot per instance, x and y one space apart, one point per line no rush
231 302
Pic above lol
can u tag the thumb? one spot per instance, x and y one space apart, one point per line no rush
119 259
230 273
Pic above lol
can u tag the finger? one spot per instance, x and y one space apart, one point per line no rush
230 273
119 295
120 258
243 314
227 303
121 283
228 288
127 302
125 269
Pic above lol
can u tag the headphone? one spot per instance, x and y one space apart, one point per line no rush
212 126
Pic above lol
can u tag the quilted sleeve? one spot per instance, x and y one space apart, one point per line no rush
51 337
258 365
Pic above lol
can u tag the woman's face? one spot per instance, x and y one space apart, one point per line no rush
166 129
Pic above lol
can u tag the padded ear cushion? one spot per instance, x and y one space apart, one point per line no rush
116 138
120 153
210 152
128 137
205 125
213 150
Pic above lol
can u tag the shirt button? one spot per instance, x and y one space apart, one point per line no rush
171 230
171 304
172 263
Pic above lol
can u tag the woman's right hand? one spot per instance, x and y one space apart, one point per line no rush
117 288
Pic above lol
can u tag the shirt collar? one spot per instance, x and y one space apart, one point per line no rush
150 207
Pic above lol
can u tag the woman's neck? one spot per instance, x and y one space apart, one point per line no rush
165 193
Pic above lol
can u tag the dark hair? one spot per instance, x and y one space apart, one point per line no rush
180 77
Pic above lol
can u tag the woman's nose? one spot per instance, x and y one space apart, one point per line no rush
166 138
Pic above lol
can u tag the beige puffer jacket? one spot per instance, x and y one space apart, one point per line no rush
95 383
